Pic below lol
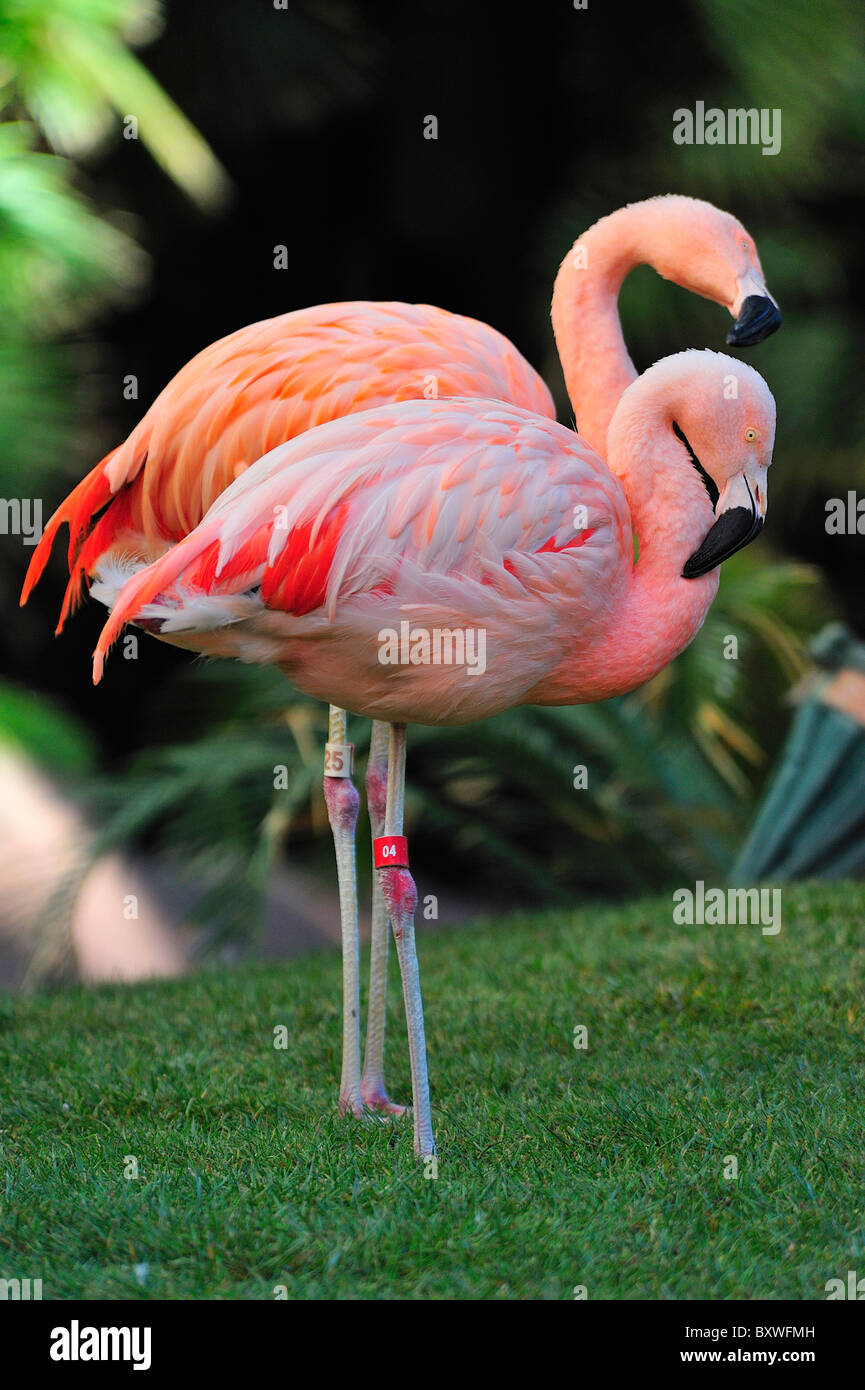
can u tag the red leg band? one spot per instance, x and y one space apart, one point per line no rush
390 852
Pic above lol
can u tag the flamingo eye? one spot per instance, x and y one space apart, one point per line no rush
751 435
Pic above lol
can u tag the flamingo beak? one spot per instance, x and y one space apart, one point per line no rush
741 511
755 311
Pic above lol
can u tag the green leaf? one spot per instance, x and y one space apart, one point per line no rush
35 725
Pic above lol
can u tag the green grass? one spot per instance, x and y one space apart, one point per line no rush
602 1167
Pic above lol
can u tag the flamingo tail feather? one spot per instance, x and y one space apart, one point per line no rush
78 510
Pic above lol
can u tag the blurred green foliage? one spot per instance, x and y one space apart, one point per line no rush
67 77
674 769
68 64
34 725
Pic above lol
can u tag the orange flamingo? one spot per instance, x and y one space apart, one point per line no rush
471 518
273 380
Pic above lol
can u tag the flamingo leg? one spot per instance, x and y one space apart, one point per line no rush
400 896
372 1087
343 801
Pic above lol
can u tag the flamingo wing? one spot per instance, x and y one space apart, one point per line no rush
256 388
456 511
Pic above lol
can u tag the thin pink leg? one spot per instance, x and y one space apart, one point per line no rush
343 802
372 1087
400 895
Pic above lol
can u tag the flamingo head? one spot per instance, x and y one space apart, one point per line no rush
710 253
723 415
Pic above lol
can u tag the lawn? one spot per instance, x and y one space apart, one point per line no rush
602 1167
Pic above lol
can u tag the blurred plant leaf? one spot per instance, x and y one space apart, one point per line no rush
34 724
68 63
58 258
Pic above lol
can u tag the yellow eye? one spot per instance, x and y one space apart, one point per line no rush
751 436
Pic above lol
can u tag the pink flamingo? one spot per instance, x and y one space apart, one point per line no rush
478 519
273 380
685 240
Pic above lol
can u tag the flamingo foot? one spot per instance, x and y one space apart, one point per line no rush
351 1105
376 1098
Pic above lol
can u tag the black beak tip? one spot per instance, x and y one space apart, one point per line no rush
733 530
691 570
758 318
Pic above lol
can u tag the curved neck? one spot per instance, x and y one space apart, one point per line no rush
660 613
585 312
655 613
